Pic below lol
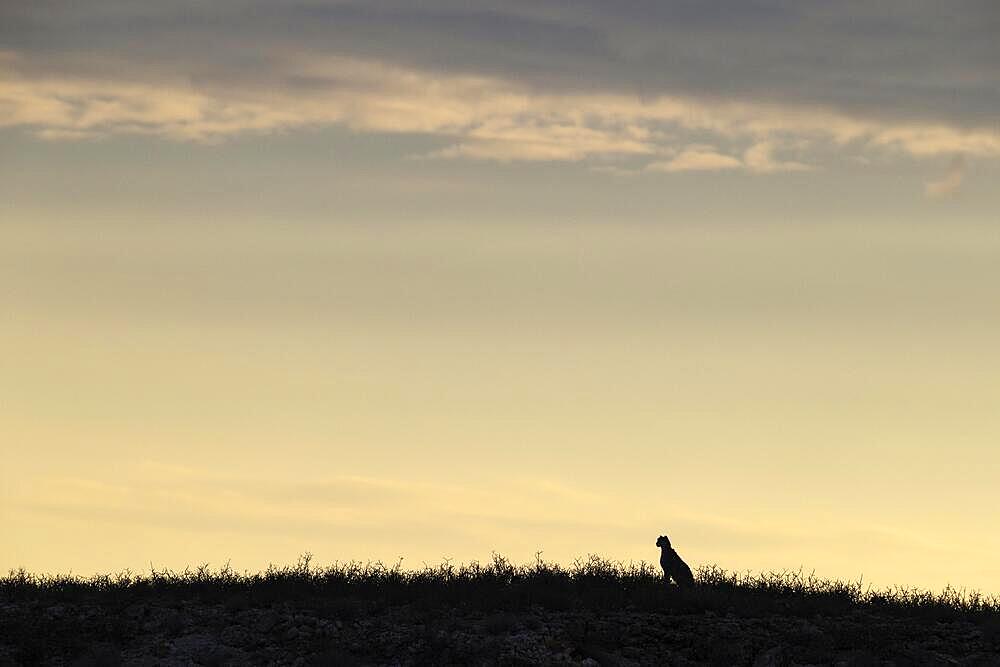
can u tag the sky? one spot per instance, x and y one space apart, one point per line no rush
380 280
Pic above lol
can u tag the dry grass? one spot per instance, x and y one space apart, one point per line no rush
590 583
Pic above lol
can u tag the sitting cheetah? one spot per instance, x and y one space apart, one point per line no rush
673 566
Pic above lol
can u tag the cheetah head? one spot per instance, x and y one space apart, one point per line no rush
663 541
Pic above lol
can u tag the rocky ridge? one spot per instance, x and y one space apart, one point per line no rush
344 631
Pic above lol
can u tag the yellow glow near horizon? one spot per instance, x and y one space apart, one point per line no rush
815 396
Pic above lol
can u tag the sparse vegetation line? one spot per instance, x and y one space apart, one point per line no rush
592 582
594 611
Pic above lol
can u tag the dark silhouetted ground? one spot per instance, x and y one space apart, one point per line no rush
594 613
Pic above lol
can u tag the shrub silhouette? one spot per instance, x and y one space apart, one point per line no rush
592 582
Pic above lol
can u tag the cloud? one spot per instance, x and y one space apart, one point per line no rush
475 116
615 170
760 158
203 500
949 184
697 159
895 62
544 139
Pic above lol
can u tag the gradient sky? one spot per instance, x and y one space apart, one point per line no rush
375 280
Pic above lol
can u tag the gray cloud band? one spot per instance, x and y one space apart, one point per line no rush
672 86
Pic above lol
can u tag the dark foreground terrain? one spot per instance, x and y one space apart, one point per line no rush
594 613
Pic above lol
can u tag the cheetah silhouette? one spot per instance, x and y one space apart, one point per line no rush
673 567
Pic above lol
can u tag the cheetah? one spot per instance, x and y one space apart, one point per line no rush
673 566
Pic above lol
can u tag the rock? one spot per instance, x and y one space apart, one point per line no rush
202 648
857 658
136 612
194 646
99 655
235 635
172 622
773 657
267 621
56 611
201 633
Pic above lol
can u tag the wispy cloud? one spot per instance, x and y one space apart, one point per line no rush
847 58
758 158
198 499
950 183
761 158
476 117
697 159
